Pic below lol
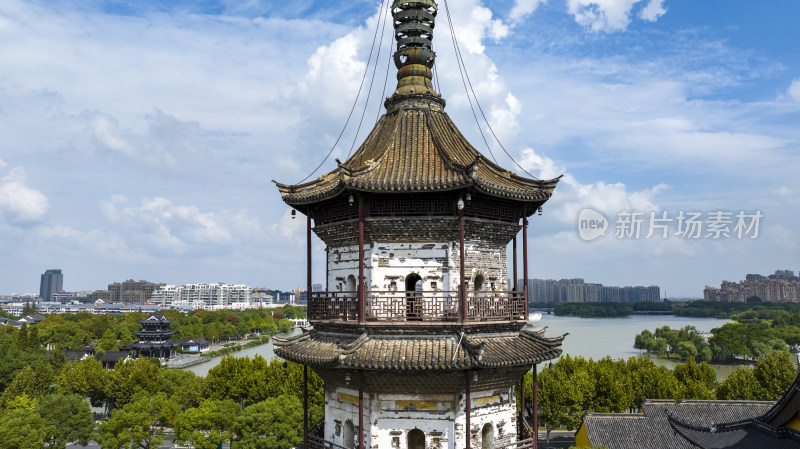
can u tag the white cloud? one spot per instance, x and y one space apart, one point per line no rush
19 202
794 90
571 195
523 8
653 10
610 15
783 191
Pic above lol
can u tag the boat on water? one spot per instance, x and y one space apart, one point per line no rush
534 317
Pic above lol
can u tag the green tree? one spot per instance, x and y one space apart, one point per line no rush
138 424
285 326
740 385
69 416
131 377
33 380
698 379
775 374
108 342
22 337
565 393
207 426
275 423
126 337
86 378
23 428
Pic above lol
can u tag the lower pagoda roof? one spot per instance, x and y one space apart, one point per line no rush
419 352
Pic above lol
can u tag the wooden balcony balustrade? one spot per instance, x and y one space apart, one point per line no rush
422 306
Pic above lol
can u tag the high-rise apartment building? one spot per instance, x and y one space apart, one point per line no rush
52 282
577 290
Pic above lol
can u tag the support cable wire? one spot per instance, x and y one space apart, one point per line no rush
385 80
462 69
488 125
374 70
355 103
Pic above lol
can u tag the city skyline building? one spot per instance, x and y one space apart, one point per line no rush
52 281
577 290
782 286
213 296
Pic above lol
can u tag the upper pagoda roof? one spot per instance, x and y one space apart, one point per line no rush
416 147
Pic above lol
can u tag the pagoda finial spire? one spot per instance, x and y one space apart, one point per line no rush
413 29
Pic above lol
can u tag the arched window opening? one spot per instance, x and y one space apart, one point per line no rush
349 437
479 281
487 436
416 439
351 284
413 297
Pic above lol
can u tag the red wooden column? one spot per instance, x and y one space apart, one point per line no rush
305 406
468 432
535 409
525 257
516 285
360 260
522 405
361 411
462 257
308 258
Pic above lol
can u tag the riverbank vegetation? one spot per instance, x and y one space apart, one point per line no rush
603 309
759 329
574 386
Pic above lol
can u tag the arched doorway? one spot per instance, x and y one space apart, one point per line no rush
351 284
349 436
416 439
487 436
413 297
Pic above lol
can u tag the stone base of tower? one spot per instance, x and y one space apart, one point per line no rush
421 421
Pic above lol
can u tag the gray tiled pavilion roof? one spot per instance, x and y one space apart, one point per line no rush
651 428
414 148
742 435
419 352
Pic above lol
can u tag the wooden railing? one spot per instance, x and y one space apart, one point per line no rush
423 306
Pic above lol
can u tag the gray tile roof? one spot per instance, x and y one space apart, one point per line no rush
651 428
743 435
419 352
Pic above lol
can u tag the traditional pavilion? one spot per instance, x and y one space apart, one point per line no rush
155 338
420 339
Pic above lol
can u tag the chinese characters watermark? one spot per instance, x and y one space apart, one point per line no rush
715 225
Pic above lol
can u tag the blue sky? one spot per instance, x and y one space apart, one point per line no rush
138 139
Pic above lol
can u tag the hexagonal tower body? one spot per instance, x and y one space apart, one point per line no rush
420 339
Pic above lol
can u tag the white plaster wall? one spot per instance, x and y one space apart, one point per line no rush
438 262
341 411
393 422
502 412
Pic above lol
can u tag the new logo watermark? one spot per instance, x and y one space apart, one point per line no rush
715 225
591 224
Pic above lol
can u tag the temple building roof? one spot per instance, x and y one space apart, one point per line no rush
651 427
419 352
778 427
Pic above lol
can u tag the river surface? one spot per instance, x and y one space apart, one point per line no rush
599 337
588 337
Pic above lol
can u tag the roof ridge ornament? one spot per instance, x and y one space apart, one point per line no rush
414 21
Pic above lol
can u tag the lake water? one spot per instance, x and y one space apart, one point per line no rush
599 337
588 337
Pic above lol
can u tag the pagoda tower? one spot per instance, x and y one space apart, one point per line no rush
419 338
